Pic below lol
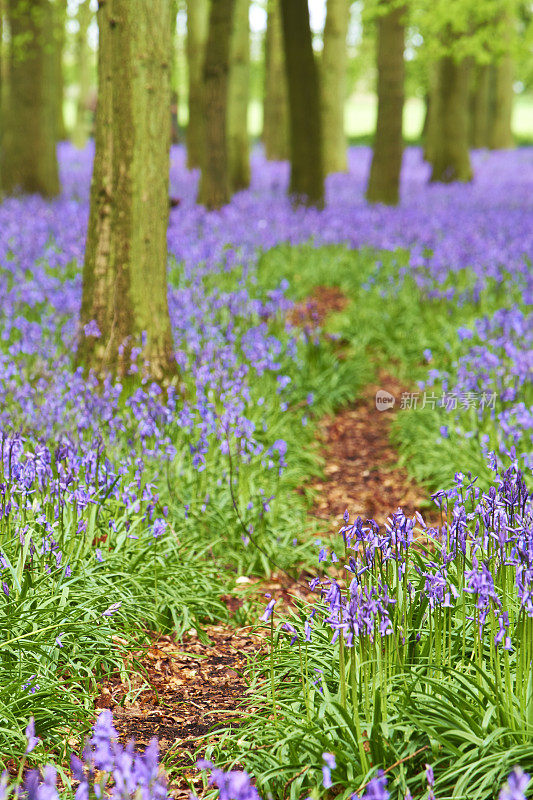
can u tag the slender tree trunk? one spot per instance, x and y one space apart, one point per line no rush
238 93
429 119
479 106
125 272
333 84
384 180
307 171
174 98
215 182
82 124
448 149
3 103
501 136
197 26
29 161
275 104
59 35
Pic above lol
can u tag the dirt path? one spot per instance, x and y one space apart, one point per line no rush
361 473
190 688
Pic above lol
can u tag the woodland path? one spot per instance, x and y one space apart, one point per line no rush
189 687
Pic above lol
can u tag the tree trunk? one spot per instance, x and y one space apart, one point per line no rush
307 171
275 103
501 136
479 107
384 180
125 271
429 119
333 84
197 26
174 96
3 104
82 124
215 183
29 161
448 148
60 21
238 91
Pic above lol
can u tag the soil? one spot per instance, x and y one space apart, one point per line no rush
361 473
190 688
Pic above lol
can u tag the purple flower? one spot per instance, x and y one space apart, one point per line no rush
234 785
268 611
92 329
32 739
376 789
111 610
159 527
330 764
516 785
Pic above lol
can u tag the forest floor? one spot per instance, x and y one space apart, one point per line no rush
185 689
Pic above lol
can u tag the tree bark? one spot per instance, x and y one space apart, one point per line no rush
174 96
60 21
333 84
275 103
82 125
215 182
3 104
29 161
448 147
125 271
307 170
429 119
384 181
501 135
238 93
479 106
197 27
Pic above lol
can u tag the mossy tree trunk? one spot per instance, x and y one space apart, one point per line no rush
215 181
275 103
333 85
125 271
29 160
448 145
59 35
238 94
384 181
479 106
82 124
500 132
305 117
197 26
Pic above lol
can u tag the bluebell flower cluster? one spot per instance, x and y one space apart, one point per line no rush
106 769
